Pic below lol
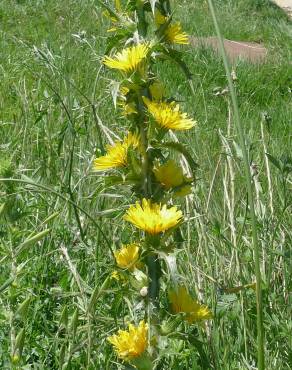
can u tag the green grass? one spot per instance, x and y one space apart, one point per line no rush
54 104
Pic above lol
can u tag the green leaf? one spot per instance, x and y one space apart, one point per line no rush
32 240
111 11
275 161
176 56
23 308
7 283
63 322
74 323
178 147
170 260
113 41
98 290
19 342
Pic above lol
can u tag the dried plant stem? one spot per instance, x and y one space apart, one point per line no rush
256 248
270 186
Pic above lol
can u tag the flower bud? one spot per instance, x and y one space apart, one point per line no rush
144 291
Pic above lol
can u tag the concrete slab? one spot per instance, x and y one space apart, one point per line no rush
285 5
250 51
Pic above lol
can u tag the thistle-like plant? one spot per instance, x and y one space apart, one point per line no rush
141 33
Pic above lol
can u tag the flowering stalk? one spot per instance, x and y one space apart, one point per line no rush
143 159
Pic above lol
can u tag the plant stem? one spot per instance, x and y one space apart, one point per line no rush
153 274
248 178
153 264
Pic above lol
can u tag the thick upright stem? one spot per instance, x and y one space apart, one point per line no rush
153 264
256 248
153 275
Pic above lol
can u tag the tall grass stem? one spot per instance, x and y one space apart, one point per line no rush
248 178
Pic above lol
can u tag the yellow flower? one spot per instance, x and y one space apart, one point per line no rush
124 90
170 175
116 155
175 35
168 116
127 256
115 275
128 108
182 302
132 343
129 59
152 217
132 140
159 18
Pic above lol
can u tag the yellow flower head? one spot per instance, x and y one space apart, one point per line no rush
115 275
129 59
168 116
127 256
116 155
182 302
159 18
152 217
170 175
132 343
175 35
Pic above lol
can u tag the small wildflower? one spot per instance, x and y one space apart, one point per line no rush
152 217
116 155
175 35
159 18
182 302
128 60
170 175
130 344
115 275
168 115
127 256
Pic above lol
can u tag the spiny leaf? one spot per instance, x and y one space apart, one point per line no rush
111 11
178 147
152 3
176 57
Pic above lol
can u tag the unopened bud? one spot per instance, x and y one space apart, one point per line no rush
233 76
144 291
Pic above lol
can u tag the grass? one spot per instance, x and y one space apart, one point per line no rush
53 116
